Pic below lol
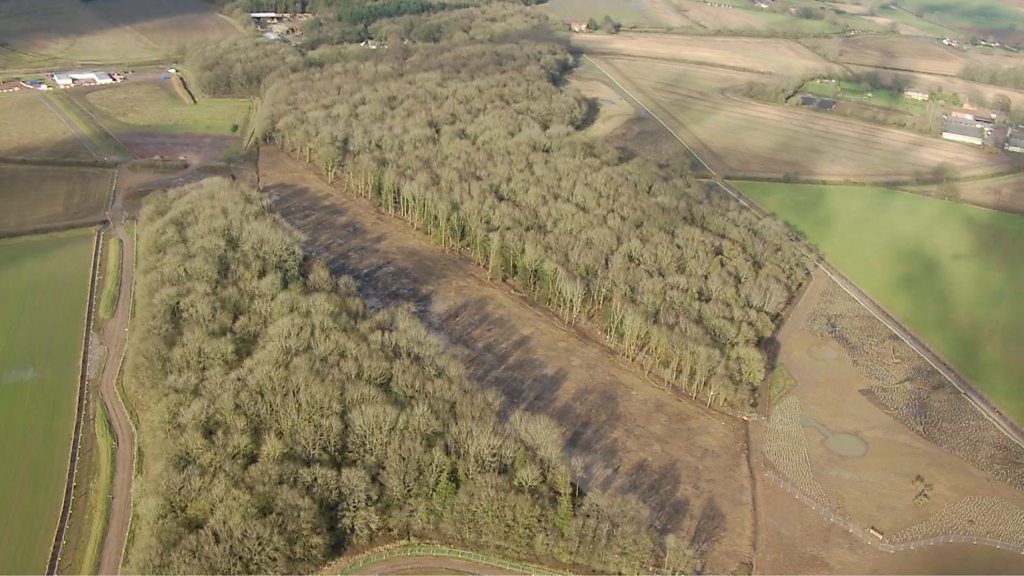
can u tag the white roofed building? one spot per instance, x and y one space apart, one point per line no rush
69 79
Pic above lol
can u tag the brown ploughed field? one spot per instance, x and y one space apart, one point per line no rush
678 459
914 54
1005 193
765 55
740 137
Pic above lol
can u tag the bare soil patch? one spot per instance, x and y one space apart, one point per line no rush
898 52
34 198
687 465
196 149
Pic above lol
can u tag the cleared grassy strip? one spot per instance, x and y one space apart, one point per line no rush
101 141
88 520
43 294
952 273
101 484
111 280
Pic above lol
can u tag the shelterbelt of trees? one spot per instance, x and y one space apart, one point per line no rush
463 127
283 424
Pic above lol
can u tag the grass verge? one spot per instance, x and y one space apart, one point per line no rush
111 279
101 141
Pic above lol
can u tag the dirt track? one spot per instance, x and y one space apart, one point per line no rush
683 462
114 337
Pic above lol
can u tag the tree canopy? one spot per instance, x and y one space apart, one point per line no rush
469 134
283 424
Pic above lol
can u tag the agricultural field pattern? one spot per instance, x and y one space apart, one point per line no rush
512 286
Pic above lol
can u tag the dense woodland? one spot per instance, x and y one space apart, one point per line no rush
469 134
282 424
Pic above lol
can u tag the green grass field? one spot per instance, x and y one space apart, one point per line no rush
967 13
43 295
153 105
953 273
35 197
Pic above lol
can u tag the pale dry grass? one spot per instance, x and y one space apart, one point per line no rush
914 393
786 447
981 516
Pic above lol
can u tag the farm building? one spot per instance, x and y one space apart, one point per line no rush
826 104
1015 140
579 26
916 94
81 78
10 87
963 130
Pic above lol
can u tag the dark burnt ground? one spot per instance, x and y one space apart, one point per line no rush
685 464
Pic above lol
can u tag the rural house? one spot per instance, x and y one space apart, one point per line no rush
965 130
10 87
1015 139
826 104
81 78
916 94
579 26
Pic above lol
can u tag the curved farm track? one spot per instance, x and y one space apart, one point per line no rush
115 336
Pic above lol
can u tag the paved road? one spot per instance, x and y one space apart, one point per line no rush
115 335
